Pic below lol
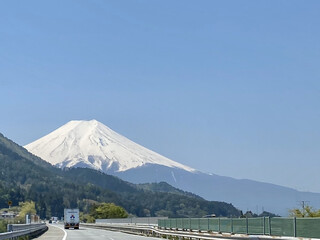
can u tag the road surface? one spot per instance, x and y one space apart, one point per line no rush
57 232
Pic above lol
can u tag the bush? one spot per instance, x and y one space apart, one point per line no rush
108 210
3 226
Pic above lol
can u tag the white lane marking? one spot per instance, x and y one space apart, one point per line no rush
65 233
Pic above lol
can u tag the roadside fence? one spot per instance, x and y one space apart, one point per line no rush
275 226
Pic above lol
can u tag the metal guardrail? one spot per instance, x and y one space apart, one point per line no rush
19 230
144 230
133 220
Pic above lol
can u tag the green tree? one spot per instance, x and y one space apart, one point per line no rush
3 226
26 208
86 218
108 210
304 211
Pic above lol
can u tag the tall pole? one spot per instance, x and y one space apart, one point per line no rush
303 203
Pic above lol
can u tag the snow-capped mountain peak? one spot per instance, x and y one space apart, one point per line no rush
94 145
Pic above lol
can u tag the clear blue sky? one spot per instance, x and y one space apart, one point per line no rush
228 87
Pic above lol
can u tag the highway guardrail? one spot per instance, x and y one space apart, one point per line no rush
19 230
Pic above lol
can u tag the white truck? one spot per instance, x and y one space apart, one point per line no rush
71 218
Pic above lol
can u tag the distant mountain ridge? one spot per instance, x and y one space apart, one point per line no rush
94 145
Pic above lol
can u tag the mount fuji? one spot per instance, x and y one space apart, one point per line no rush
91 144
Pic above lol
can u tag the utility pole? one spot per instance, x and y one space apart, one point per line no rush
303 203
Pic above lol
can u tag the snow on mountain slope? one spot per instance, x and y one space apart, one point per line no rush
94 145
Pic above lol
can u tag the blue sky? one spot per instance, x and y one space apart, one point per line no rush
228 87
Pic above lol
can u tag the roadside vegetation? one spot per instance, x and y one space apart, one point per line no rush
20 212
304 211
3 226
103 211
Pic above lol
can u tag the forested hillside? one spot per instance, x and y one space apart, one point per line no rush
26 177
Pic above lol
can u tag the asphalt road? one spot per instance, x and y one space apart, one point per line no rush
57 232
